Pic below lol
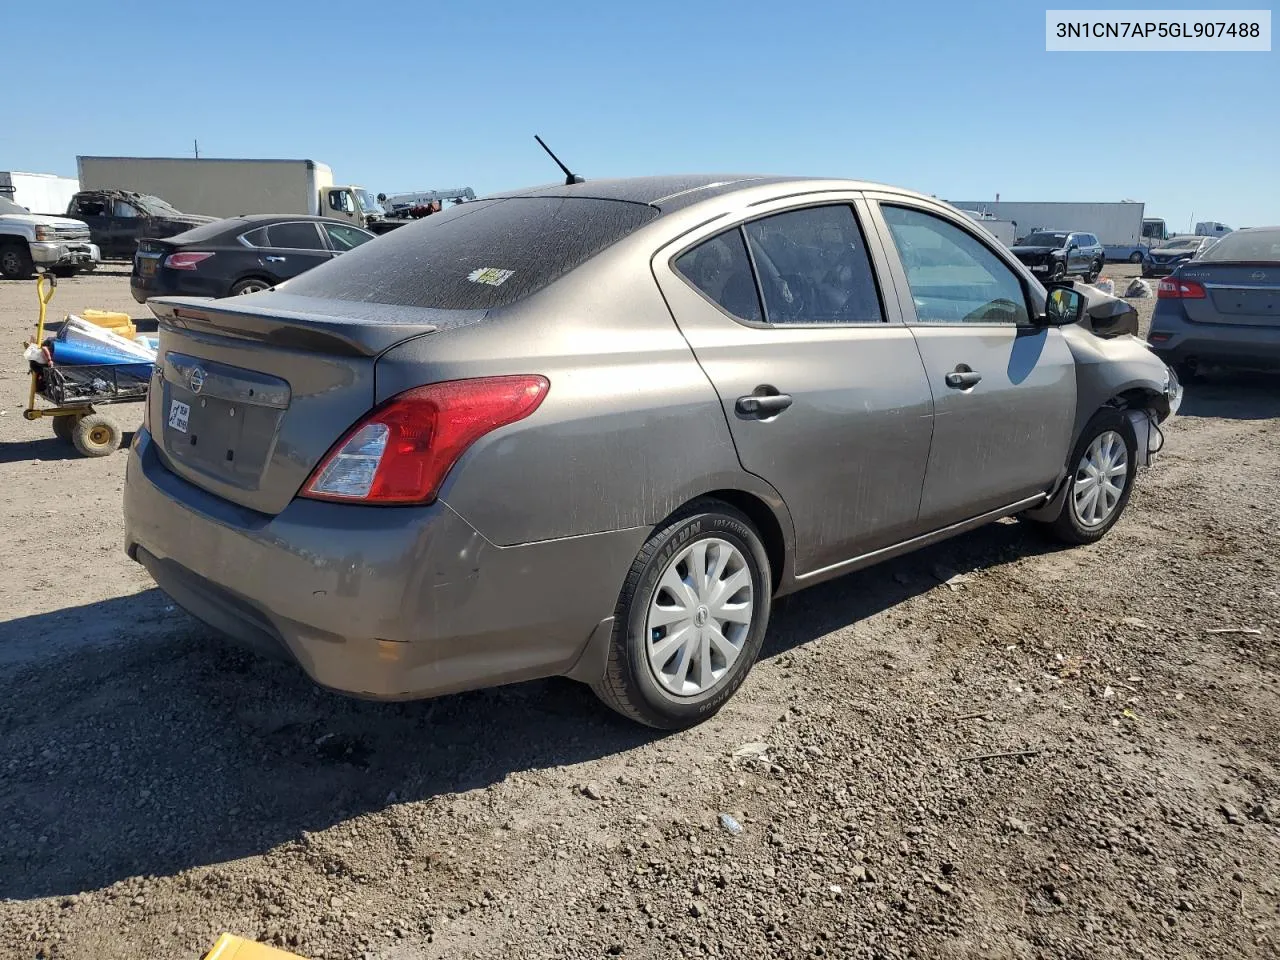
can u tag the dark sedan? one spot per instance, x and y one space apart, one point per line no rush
239 255
1222 308
1163 260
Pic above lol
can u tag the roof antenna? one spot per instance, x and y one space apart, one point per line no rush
570 178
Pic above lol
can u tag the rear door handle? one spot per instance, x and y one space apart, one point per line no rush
763 405
274 259
963 379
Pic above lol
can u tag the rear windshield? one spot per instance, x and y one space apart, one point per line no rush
1248 247
205 232
476 256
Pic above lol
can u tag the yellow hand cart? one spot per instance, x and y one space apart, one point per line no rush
75 392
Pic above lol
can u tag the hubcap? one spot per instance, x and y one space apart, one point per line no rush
1100 479
252 288
699 617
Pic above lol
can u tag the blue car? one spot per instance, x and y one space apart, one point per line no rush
1222 308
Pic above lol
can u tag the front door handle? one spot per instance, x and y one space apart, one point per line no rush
274 259
766 402
962 378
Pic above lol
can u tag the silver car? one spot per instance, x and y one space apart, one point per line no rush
595 429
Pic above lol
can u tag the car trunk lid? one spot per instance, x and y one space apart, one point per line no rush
1244 294
251 392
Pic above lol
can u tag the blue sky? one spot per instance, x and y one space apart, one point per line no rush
955 99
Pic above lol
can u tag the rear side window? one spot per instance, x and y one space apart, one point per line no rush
294 236
255 238
813 267
720 268
476 256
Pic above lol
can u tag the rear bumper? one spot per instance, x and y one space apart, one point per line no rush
1176 340
385 603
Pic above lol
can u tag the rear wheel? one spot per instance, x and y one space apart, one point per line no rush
16 262
690 620
64 427
250 285
96 435
1103 467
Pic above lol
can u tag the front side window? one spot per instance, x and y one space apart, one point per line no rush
122 209
341 200
343 237
814 267
294 236
720 268
953 276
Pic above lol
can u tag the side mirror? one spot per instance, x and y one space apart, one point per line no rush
1064 305
1072 246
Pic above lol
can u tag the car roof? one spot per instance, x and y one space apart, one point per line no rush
268 218
674 192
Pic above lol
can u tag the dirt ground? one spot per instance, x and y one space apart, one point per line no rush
1065 753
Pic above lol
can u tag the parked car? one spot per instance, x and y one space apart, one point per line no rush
118 219
1223 307
595 429
1163 260
239 255
1055 254
36 240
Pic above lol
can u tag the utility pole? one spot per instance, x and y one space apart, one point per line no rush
197 146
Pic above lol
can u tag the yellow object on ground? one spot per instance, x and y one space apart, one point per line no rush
115 322
230 947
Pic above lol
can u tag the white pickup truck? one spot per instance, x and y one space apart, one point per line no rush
30 240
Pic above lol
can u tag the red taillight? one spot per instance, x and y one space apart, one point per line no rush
185 261
402 451
1171 288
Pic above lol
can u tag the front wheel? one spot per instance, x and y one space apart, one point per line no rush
1135 257
1103 467
96 435
15 261
1094 269
690 620
1059 271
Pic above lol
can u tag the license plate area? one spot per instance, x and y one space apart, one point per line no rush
147 266
222 420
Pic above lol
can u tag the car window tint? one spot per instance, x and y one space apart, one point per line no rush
255 238
122 209
479 255
294 236
953 277
720 268
343 237
814 267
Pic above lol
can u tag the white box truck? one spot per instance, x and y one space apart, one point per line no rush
1121 228
37 191
228 188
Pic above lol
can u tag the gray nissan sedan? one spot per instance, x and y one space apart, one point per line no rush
594 429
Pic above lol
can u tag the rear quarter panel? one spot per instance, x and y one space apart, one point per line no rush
630 429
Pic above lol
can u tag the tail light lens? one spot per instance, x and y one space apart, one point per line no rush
402 451
185 261
1171 288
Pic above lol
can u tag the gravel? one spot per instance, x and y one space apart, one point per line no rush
157 788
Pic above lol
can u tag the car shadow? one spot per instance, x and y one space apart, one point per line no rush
174 750
48 449
1232 395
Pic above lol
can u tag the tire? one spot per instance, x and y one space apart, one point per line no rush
1094 270
96 435
250 285
1059 271
1135 257
16 262
648 694
1073 524
64 427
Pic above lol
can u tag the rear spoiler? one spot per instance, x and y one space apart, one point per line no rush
290 329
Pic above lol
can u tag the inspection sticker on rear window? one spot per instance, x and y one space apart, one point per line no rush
490 275
178 414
